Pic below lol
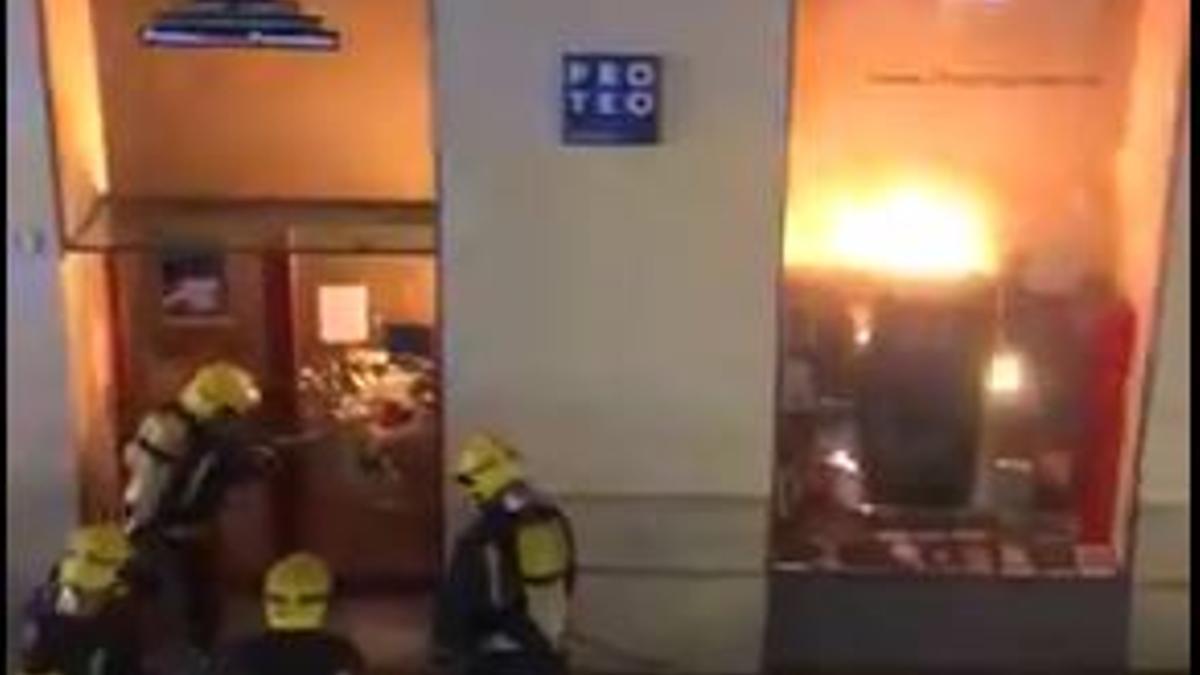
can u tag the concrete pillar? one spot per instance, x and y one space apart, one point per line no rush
1161 622
41 498
612 310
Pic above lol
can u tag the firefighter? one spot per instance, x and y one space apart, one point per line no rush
503 606
182 462
83 620
296 597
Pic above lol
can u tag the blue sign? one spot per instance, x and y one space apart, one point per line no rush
610 99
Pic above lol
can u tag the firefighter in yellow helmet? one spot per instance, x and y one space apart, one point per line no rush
82 621
182 461
503 606
296 599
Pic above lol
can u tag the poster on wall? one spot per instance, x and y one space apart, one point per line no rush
194 286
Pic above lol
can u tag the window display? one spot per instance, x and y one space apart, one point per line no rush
970 278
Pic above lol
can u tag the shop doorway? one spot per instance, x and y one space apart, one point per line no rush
277 210
344 347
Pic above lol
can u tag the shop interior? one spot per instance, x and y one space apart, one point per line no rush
972 256
275 208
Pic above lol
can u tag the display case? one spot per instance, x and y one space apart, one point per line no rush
972 254
268 202
976 216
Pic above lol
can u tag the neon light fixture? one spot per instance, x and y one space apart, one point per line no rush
239 24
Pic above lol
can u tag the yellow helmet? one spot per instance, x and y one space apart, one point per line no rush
297 593
487 466
95 556
217 387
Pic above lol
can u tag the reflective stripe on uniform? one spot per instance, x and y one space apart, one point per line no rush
496 642
491 559
98 664
547 607
196 480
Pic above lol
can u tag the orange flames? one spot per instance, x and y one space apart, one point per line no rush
918 229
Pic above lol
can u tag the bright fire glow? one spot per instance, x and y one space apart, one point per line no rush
913 230
1006 374
860 316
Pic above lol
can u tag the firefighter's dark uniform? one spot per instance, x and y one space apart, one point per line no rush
104 643
310 652
296 594
502 607
172 518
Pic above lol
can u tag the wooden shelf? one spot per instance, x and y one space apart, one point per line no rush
322 227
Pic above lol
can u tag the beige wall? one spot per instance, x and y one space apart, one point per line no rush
1144 170
39 493
91 354
265 123
612 311
79 160
1161 626
1166 459
75 107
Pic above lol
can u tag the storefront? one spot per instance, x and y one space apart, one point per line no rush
831 323
972 262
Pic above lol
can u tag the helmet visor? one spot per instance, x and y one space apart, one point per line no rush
296 611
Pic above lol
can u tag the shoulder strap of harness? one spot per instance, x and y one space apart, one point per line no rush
189 420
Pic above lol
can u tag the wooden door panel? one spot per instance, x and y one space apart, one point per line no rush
370 531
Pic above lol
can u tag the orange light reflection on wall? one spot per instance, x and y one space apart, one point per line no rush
917 229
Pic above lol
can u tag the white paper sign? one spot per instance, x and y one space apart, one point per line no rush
342 314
